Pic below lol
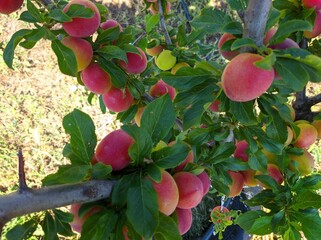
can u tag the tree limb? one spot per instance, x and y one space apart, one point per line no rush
255 20
162 23
36 200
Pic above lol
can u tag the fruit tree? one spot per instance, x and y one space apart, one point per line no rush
196 118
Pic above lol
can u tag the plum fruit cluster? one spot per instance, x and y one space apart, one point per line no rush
94 77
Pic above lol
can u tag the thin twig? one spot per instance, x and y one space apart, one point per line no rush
22 176
314 100
187 15
162 23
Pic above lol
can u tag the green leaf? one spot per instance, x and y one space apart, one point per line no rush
66 58
83 139
67 174
142 201
49 227
101 171
222 152
306 199
22 231
120 189
8 53
34 12
170 157
210 20
99 225
79 11
288 27
27 17
110 52
244 112
62 220
292 234
312 182
311 223
118 77
166 229
151 22
108 35
243 42
255 222
154 172
159 117
268 181
142 146
238 4
32 38
58 15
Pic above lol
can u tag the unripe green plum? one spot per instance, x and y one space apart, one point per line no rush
190 189
184 220
161 88
136 64
307 136
113 149
237 183
82 27
243 81
10 6
81 48
165 60
227 54
167 193
316 30
118 100
96 79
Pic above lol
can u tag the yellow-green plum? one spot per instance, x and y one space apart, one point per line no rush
237 183
243 81
118 100
82 27
10 6
167 193
81 48
136 63
307 136
113 149
317 125
305 163
190 189
227 54
165 60
161 88
184 220
177 66
96 79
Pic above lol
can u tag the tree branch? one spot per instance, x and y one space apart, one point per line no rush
314 100
36 200
255 20
162 23
22 176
